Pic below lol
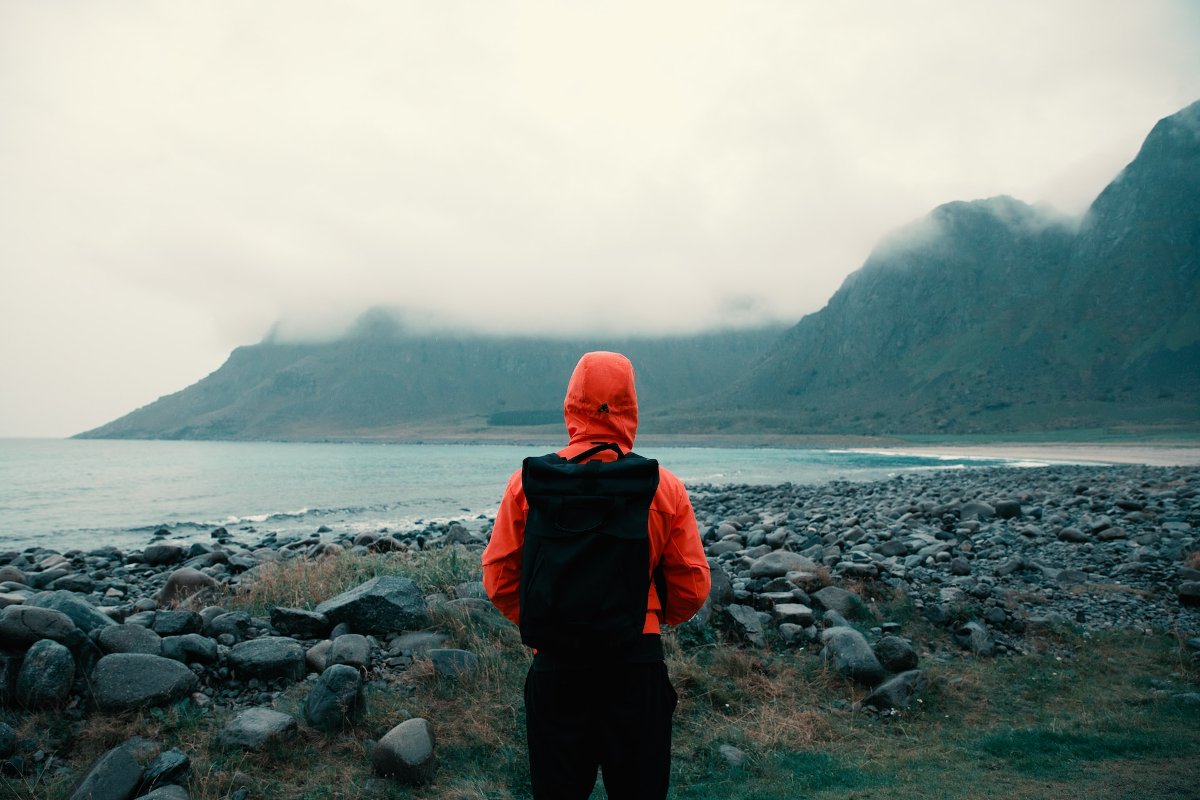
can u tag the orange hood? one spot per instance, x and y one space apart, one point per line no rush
601 402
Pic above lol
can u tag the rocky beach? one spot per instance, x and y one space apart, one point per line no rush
849 578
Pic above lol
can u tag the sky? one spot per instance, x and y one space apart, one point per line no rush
176 178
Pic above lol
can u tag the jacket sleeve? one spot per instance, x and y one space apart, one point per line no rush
502 556
684 565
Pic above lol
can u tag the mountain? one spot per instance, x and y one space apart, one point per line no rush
994 316
383 380
988 316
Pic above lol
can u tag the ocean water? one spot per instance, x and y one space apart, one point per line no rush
84 494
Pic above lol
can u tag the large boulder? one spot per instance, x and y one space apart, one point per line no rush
85 615
125 681
406 752
129 639
269 657
337 699
846 651
46 675
23 625
117 773
380 606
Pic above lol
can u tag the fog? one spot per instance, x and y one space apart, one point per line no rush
176 179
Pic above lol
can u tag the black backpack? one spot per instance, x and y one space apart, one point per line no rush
585 572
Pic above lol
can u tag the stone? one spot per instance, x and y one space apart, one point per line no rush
379 606
24 625
237 624
847 652
895 654
190 648
794 613
124 681
732 756
416 643
406 752
85 615
46 675
255 728
115 775
169 792
976 638
897 692
792 635
300 623
778 563
1189 593
269 657
744 624
337 700
170 767
451 663
184 583
1074 535
177 622
129 639
316 658
162 554
75 582
977 510
1007 509
350 648
835 598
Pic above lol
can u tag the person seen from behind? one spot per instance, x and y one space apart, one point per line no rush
593 550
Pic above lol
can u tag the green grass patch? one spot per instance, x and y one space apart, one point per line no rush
1045 753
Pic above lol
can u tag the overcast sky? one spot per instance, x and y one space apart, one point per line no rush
175 177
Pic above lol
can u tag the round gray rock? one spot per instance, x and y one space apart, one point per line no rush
125 681
406 752
129 639
779 563
22 625
269 657
350 648
847 651
46 675
85 615
895 654
337 699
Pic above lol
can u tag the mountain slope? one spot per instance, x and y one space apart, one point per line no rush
383 381
994 316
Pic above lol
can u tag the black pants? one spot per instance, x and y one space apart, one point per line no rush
616 718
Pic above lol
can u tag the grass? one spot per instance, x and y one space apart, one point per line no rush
1078 714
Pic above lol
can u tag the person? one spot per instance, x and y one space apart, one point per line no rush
609 710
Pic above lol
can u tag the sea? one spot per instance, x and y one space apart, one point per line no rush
69 494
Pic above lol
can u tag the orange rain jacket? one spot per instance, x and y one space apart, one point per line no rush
601 406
